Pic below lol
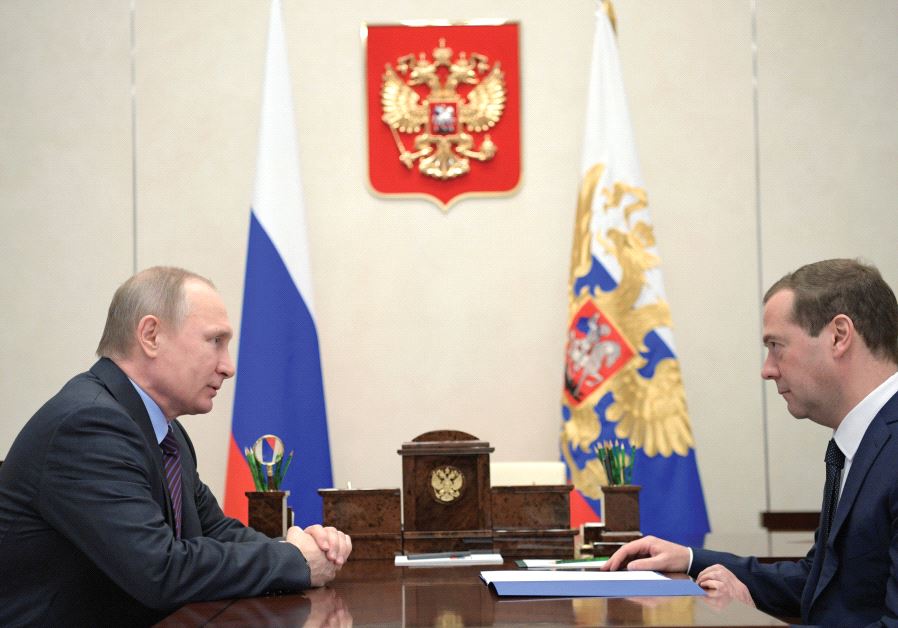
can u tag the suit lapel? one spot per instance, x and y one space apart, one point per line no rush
121 388
874 440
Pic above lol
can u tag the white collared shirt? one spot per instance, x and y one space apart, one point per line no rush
851 430
853 427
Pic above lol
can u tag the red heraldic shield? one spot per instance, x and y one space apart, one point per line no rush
443 111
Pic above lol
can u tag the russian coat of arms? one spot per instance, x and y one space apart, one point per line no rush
443 110
443 122
447 484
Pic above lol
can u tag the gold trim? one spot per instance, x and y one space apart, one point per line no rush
581 251
608 9
444 207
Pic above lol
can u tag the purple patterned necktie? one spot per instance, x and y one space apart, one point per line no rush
171 462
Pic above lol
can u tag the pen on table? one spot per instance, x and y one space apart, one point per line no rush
438 555
581 560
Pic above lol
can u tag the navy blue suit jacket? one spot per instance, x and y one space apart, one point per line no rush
857 582
86 524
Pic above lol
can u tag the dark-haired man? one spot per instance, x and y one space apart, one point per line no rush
831 332
103 517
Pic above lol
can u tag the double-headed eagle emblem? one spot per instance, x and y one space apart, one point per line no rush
447 484
465 95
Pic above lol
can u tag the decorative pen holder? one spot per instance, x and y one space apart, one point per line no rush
621 508
268 512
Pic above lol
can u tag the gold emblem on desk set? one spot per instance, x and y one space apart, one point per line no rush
605 352
443 122
449 619
447 483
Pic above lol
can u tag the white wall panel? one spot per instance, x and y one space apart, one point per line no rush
432 320
65 192
828 150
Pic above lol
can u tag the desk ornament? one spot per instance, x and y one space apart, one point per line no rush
268 511
620 500
448 504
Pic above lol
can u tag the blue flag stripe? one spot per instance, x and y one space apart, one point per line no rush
279 386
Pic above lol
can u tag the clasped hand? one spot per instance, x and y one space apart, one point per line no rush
325 549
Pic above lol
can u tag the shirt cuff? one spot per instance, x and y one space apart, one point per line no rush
689 568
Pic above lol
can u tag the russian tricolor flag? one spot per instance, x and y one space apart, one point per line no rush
279 388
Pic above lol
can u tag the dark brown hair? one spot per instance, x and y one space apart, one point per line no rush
844 286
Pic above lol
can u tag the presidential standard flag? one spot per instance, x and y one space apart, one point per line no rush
622 380
279 389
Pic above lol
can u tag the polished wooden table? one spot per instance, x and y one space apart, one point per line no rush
376 593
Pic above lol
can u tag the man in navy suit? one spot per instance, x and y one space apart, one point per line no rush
92 530
831 333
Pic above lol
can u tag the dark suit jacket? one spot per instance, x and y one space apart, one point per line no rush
86 528
857 583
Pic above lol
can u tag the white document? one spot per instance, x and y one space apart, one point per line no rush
550 563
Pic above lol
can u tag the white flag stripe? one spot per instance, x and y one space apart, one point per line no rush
277 200
611 143
607 116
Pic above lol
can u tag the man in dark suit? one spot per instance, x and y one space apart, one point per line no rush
96 526
831 332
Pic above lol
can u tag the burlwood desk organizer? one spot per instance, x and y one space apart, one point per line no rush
448 505
370 516
267 512
621 511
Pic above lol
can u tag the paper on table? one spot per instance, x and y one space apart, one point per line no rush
523 575
449 561
551 563
552 583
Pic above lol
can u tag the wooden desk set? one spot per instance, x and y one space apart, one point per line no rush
447 504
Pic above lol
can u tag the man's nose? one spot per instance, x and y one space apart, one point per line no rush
769 370
226 366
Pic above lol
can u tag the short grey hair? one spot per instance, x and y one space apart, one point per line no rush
157 291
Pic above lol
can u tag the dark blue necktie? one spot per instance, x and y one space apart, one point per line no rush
171 463
834 460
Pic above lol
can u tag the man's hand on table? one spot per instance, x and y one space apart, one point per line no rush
325 549
649 553
722 583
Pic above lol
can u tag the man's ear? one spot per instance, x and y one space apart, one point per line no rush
148 330
843 334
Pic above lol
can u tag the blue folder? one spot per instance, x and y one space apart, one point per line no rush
597 588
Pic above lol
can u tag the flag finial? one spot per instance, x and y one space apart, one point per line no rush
608 8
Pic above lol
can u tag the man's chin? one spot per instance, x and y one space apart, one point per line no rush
201 408
798 413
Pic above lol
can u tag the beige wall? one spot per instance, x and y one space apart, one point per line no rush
430 320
